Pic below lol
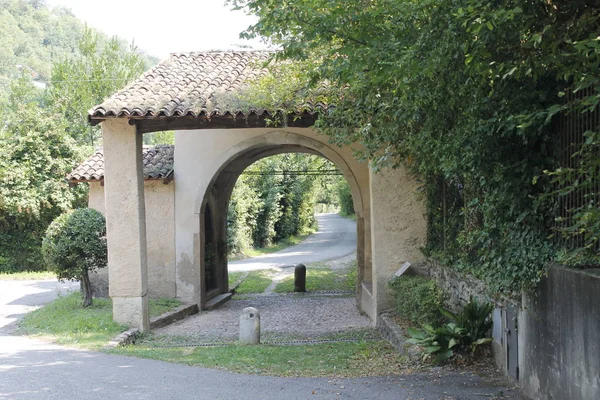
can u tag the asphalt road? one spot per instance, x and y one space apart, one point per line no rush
30 369
20 297
335 238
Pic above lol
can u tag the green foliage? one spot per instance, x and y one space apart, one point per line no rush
36 35
33 35
74 245
464 91
163 137
44 133
35 156
475 319
80 82
274 200
468 329
437 343
345 198
418 299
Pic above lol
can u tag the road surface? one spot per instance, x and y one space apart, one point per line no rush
32 370
335 238
19 297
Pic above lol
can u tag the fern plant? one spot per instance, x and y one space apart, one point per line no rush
437 343
476 320
468 329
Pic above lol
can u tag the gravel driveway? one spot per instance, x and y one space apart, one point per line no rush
297 316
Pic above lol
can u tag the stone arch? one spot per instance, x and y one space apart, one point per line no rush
390 221
216 183
277 142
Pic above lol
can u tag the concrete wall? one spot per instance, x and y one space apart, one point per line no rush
398 227
558 330
160 237
559 337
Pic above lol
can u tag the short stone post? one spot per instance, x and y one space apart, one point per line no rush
300 278
249 326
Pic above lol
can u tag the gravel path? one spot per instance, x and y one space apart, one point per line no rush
297 316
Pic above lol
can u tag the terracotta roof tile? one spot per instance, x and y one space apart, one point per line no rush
158 164
187 84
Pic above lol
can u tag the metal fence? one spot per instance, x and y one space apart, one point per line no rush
570 128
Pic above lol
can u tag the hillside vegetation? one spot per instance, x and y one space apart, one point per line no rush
34 36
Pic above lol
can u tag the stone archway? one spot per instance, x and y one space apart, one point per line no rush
190 92
232 152
390 212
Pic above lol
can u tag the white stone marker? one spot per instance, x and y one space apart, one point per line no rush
249 326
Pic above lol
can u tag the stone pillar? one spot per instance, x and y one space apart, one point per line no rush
125 223
249 326
300 278
398 228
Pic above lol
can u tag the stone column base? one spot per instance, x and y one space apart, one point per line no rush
132 311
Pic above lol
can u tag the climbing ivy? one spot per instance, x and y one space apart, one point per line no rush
464 92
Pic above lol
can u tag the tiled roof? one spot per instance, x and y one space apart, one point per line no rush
158 164
189 85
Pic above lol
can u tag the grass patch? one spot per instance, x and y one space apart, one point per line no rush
255 282
160 306
319 278
27 276
333 359
65 321
234 277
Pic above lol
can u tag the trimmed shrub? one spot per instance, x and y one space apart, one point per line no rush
418 299
74 245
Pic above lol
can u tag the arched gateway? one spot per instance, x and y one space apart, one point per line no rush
213 144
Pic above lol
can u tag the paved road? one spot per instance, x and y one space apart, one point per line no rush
335 238
19 297
33 370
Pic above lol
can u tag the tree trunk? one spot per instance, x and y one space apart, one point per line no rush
86 289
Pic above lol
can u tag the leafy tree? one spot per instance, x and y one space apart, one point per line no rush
75 245
275 199
44 133
163 137
463 91
79 83
35 156
345 198
34 36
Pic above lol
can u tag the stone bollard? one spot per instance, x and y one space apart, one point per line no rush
300 278
249 326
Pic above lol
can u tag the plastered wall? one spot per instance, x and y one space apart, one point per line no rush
160 237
